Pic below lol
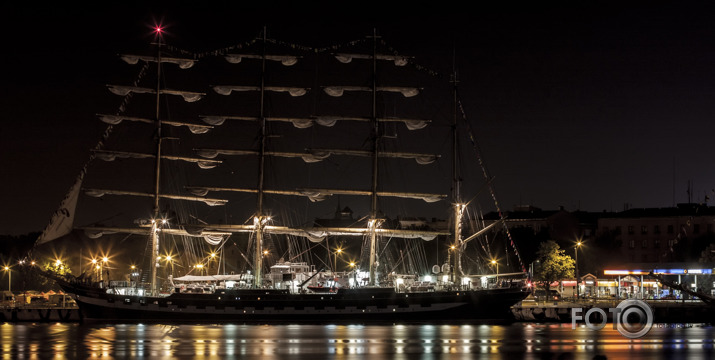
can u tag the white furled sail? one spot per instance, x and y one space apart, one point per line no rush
121 90
338 91
183 63
287 60
347 58
117 119
293 91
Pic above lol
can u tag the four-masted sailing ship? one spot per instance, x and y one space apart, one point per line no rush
259 131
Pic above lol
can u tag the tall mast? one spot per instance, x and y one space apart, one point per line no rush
259 219
456 181
155 221
373 222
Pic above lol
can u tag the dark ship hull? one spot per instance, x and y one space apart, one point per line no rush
270 305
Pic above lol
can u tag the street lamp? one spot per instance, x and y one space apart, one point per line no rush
454 267
105 260
212 256
171 264
338 251
494 262
352 265
578 245
95 266
9 278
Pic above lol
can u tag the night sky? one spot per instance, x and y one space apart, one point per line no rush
588 106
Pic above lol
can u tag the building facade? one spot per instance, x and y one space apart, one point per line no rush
659 235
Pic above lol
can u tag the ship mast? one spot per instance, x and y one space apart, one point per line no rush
373 222
155 220
456 184
260 219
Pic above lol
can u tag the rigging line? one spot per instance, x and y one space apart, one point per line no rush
475 146
306 250
486 185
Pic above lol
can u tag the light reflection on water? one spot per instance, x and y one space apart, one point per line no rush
514 341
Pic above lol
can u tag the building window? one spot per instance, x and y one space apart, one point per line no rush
656 243
671 243
644 229
656 229
670 229
631 243
618 230
644 243
630 229
710 228
696 229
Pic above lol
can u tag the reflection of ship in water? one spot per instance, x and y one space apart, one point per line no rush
296 266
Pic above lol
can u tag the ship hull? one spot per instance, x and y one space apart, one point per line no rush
363 304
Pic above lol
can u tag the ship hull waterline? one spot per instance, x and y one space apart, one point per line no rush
362 304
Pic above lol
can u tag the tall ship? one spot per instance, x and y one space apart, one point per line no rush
231 181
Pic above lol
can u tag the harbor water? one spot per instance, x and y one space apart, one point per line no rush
519 340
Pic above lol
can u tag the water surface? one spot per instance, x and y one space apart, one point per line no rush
385 341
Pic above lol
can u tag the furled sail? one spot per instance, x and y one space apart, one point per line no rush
116 119
338 91
325 120
183 63
102 192
397 59
110 155
293 91
421 159
122 90
287 60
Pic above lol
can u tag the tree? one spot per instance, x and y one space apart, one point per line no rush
555 264
56 267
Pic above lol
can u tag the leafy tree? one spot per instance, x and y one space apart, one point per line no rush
56 267
555 265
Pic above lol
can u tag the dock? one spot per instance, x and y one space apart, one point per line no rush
41 313
664 311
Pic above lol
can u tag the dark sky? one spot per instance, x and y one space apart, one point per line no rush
588 106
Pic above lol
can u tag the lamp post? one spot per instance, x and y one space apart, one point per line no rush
454 267
578 245
171 264
213 257
337 253
494 262
9 278
95 266
105 260
352 265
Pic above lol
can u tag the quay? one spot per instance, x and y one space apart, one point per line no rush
40 313
664 311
